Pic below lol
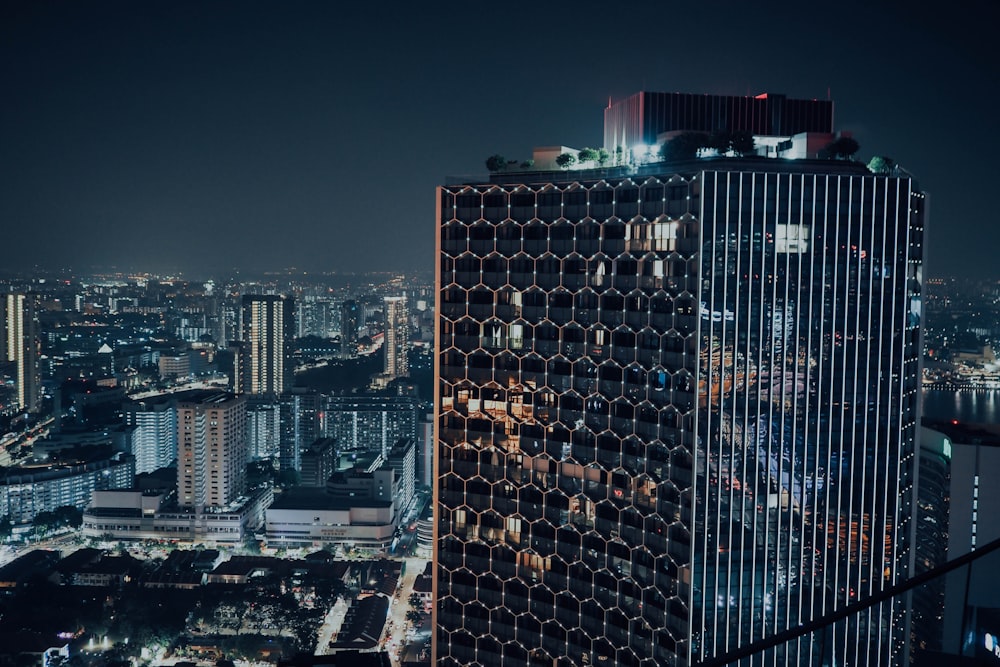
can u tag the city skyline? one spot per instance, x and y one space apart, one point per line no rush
179 137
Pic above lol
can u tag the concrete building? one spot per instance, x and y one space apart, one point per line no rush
312 517
263 426
970 454
371 423
318 463
402 459
642 118
174 366
350 317
300 412
397 338
155 438
361 506
21 347
268 333
28 490
211 449
131 514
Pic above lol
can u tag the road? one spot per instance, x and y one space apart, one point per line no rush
63 542
331 625
394 634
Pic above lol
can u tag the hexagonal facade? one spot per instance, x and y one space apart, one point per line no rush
675 413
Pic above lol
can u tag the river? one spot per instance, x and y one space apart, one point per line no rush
965 406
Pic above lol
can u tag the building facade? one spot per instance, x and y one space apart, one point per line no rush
263 426
211 450
350 316
154 443
129 514
641 118
676 412
371 423
397 338
21 347
268 333
26 491
301 412
319 461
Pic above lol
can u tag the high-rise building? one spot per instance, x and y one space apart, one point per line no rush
21 346
300 414
263 427
967 462
312 316
397 338
349 320
371 423
268 333
319 461
155 439
676 412
212 449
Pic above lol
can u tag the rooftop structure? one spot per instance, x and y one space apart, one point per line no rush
642 118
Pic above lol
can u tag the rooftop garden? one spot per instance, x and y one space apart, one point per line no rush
686 146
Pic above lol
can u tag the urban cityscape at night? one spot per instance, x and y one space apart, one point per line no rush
397 336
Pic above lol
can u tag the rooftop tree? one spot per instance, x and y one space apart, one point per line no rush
742 143
496 163
684 146
842 147
565 160
882 165
587 155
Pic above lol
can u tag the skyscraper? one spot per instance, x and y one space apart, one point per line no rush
268 332
349 316
211 449
21 345
397 337
676 411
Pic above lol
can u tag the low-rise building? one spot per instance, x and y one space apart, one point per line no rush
29 489
138 515
312 517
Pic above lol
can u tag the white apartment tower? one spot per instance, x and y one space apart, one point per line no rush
21 344
397 337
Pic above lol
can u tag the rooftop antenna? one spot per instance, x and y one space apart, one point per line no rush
828 93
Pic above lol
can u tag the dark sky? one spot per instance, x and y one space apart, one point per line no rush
202 136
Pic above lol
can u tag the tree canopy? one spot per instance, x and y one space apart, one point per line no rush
565 160
587 155
684 146
496 163
842 147
881 165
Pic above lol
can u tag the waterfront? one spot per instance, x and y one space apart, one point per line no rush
973 405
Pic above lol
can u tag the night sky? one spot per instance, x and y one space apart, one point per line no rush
206 136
